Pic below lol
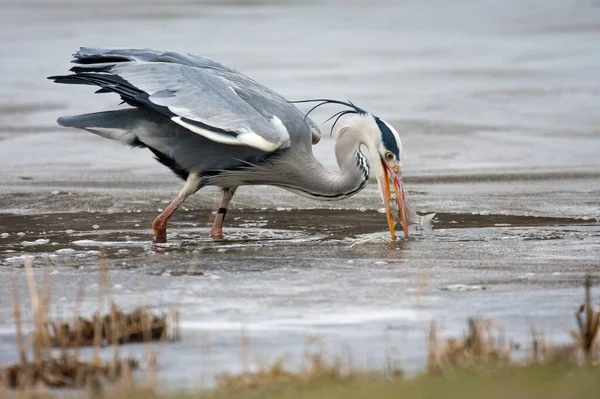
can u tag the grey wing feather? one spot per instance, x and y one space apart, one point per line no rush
117 125
89 55
266 102
205 104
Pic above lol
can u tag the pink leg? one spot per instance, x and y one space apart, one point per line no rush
216 231
159 225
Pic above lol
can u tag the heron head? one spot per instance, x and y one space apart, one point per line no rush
385 149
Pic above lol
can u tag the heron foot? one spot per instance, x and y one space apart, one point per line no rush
159 227
216 234
160 236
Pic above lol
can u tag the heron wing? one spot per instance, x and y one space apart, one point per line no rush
213 79
90 55
203 103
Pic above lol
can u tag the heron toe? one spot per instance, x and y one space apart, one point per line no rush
216 234
159 228
160 236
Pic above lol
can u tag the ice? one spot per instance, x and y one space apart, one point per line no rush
65 251
94 243
462 288
266 234
4 235
40 241
18 259
532 74
527 275
87 243
310 320
95 227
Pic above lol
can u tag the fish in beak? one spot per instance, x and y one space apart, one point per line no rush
394 175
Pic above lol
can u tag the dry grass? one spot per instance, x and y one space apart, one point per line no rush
63 367
481 350
584 349
66 370
317 364
478 350
478 364
586 337
115 327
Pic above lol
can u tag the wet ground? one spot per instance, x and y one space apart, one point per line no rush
497 105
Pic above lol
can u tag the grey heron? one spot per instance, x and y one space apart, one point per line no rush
213 125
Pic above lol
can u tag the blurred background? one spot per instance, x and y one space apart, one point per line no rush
470 85
497 104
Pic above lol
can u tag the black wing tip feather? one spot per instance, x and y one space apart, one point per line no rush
66 79
104 67
93 55
98 58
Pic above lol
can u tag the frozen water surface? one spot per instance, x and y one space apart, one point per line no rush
497 105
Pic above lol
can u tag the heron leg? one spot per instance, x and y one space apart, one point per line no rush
159 225
216 230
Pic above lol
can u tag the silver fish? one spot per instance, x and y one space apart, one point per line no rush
421 221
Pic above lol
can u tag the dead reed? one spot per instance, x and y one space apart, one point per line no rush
66 370
586 337
584 349
478 350
481 349
316 365
115 327
54 365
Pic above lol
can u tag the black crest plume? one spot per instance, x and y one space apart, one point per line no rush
322 101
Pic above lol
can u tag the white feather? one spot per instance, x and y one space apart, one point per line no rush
122 135
246 137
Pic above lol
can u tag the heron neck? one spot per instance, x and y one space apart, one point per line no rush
314 180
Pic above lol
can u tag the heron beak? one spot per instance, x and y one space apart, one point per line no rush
384 184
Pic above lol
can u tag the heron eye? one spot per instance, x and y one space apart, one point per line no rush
389 156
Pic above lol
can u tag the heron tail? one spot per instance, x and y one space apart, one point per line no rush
118 125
